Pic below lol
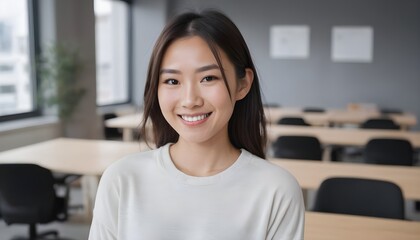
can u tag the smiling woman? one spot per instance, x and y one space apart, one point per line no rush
208 178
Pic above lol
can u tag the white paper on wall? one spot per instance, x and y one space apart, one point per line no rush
289 41
352 44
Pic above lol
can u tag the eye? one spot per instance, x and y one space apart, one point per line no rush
171 82
209 78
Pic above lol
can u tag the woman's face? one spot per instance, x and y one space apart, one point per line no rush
192 94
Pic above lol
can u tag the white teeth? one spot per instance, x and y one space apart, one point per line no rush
194 118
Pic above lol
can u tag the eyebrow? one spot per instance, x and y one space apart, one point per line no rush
200 69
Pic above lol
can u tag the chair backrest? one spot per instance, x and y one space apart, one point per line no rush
313 110
292 121
27 194
389 152
386 111
355 196
271 105
380 123
110 133
297 147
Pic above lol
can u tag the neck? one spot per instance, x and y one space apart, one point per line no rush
197 159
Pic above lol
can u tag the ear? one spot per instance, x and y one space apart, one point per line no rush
244 84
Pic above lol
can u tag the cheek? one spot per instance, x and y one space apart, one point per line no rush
219 97
165 99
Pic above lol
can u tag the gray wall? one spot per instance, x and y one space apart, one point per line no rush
149 18
391 80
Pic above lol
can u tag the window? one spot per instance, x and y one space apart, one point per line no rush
112 58
16 58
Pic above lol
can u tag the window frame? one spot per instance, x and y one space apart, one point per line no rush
129 58
34 50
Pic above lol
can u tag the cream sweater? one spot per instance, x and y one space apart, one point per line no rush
144 196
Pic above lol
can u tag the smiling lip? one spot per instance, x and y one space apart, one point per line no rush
195 119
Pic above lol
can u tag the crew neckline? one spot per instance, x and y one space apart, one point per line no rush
171 169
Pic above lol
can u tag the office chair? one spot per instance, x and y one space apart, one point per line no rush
65 181
271 105
111 133
380 123
292 121
297 147
27 196
373 123
389 152
386 111
356 196
313 110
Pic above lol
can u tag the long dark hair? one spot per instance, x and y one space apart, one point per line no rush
247 124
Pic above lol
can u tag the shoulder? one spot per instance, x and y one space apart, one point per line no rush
271 175
131 164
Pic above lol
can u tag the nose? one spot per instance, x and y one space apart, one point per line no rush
191 96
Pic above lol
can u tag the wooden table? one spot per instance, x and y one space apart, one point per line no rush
310 174
338 116
127 123
342 136
77 156
327 226
131 122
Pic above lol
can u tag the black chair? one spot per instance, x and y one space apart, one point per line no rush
292 121
386 111
297 147
111 133
389 152
313 110
271 105
357 196
373 123
66 182
27 196
380 123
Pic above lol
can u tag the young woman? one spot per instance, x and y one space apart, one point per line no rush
208 178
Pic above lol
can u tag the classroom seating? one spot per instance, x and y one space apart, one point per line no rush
292 121
389 151
380 123
297 147
111 133
373 123
386 111
271 105
358 196
313 110
27 196
66 182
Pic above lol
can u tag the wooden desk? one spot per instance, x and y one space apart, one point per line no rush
357 138
127 122
310 174
327 226
342 136
86 157
338 116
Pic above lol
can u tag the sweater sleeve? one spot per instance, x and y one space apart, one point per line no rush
105 214
288 214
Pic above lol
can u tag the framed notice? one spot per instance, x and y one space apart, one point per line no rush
352 44
289 41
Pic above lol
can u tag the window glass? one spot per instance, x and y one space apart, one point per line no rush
111 20
16 87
